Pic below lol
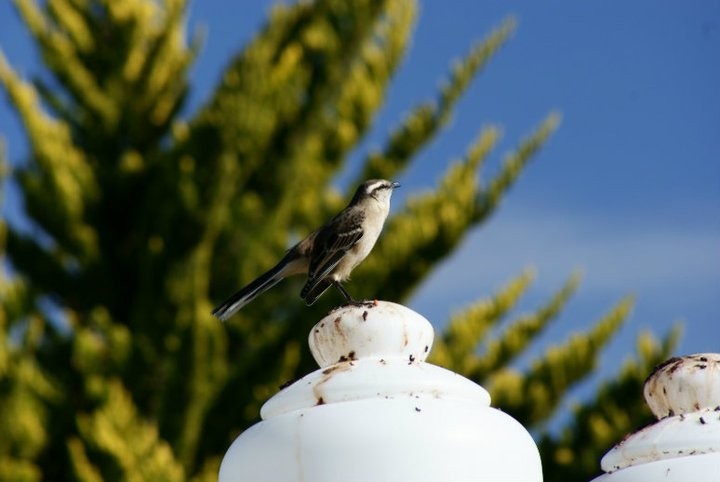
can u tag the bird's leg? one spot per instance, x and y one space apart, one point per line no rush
348 298
344 292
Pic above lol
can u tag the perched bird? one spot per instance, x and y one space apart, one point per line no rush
329 254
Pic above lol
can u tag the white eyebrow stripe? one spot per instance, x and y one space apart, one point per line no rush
372 187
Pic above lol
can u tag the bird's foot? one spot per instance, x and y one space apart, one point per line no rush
363 303
367 304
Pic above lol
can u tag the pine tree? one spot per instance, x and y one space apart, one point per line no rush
111 367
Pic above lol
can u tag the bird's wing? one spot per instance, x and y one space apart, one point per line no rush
318 289
330 246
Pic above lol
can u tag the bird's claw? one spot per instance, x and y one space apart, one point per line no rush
363 303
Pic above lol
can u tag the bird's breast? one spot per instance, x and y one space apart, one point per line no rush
371 232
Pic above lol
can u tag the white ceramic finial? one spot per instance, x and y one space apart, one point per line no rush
684 445
373 351
684 384
375 410
375 330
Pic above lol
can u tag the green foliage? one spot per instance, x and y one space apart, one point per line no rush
556 371
141 219
146 457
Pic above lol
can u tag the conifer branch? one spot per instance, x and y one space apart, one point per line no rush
455 347
61 183
532 397
501 351
47 272
513 164
63 58
425 120
132 445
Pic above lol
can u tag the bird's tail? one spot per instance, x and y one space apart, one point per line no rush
233 304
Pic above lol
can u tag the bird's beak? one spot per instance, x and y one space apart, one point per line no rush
395 185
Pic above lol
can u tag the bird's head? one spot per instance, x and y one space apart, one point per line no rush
378 189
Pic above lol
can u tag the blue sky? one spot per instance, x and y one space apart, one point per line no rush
627 190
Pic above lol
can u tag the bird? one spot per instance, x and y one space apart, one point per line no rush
327 255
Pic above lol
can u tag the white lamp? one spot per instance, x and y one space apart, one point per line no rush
375 410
